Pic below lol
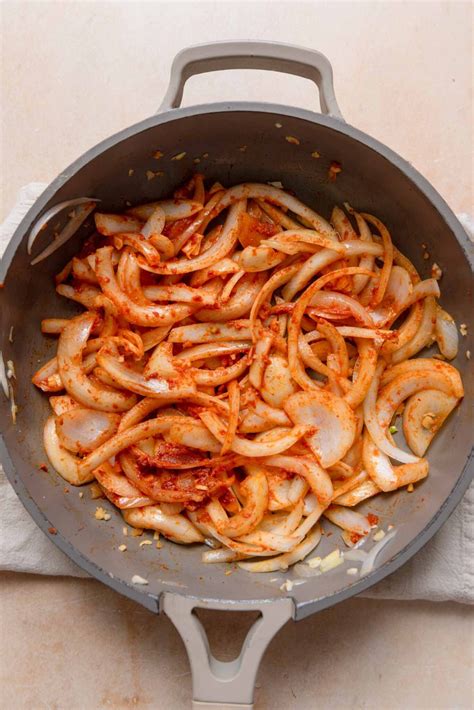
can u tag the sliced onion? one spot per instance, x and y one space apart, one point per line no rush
318 479
52 212
157 387
221 247
124 439
110 224
377 432
146 314
446 334
195 435
348 519
210 332
424 415
423 336
364 490
173 209
255 490
71 344
3 377
180 293
332 418
82 430
260 258
304 236
155 223
239 304
234 409
256 449
65 463
80 215
277 383
282 562
176 527
386 476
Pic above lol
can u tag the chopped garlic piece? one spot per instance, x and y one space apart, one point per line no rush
158 154
292 139
81 494
122 548
101 514
156 535
145 542
468 354
136 579
287 586
315 154
428 421
436 272
426 255
278 125
334 559
314 562
179 156
463 329
243 148
379 535
159 545
136 532
125 531
410 488
10 334
130 172
10 369
277 184
352 571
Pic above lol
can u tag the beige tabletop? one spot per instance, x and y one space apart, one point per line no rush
73 73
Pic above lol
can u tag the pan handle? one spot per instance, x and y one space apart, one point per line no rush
229 684
246 54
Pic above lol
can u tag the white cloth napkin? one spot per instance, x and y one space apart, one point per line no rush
443 570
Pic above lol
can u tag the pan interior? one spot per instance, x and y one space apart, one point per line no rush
230 146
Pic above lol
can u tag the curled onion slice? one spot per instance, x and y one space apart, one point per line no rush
386 476
82 430
71 344
282 562
318 479
210 332
145 314
256 449
175 527
65 463
277 384
87 204
173 209
332 418
349 520
446 334
424 415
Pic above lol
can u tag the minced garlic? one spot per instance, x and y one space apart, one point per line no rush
436 272
334 559
136 579
287 585
292 139
145 542
122 548
352 571
314 562
379 535
463 329
101 514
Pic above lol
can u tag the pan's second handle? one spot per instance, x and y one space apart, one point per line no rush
245 54
225 684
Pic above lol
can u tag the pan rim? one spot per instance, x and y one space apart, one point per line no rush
303 608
